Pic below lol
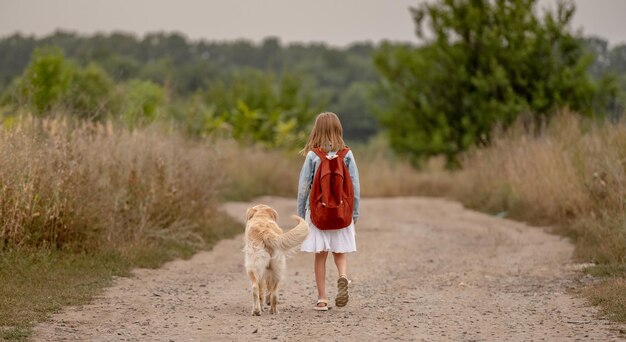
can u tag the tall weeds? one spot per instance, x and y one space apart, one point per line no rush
570 174
88 186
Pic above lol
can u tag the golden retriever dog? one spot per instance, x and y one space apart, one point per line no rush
266 249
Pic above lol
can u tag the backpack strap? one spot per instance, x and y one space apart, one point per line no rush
322 155
343 152
319 153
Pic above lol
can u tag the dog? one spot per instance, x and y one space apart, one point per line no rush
266 250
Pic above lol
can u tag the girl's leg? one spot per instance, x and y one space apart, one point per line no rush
341 261
320 274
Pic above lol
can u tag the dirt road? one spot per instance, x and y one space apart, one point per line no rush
425 270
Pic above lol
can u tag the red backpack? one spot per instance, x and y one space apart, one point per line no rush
332 194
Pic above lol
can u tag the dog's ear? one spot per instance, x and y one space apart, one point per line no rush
250 213
274 214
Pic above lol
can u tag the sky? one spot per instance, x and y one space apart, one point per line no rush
335 22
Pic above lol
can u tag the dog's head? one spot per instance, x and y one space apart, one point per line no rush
261 210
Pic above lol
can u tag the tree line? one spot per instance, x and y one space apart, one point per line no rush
337 79
482 63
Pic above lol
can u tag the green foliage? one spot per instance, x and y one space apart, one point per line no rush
609 69
52 82
90 93
142 102
487 62
261 107
184 68
45 80
352 107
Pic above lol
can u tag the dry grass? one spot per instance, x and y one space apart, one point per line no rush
255 171
383 173
571 175
89 186
610 295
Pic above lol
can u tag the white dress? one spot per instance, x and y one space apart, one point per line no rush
336 240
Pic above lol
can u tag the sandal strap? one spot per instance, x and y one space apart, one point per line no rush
322 301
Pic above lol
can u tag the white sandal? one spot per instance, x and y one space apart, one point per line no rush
321 308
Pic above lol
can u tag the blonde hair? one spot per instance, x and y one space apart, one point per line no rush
326 134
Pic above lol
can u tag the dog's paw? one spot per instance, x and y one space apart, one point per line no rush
256 312
274 311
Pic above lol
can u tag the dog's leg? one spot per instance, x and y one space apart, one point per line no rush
274 296
268 285
267 299
278 268
256 294
262 292
274 300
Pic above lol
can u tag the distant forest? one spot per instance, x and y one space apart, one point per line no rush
342 80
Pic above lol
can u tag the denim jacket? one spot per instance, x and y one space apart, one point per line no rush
311 163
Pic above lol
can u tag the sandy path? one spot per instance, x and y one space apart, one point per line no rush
426 269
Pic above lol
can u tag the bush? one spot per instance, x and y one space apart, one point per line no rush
142 103
260 107
50 83
91 94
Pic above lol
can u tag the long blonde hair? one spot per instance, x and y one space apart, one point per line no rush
326 134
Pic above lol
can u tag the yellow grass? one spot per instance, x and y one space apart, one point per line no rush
87 186
571 174
256 171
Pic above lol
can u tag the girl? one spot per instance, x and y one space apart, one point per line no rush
327 135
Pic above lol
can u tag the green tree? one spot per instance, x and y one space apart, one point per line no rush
261 107
142 102
46 79
51 81
90 93
483 62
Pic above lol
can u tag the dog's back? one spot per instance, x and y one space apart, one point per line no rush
266 247
265 234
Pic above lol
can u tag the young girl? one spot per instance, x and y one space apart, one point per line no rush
327 135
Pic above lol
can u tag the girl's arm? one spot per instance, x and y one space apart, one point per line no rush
304 183
354 175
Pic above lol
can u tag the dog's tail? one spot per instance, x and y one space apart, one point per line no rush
291 239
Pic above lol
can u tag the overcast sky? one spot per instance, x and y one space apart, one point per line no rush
337 22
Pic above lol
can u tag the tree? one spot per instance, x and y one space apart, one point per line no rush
90 93
260 107
484 62
50 82
45 80
142 101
